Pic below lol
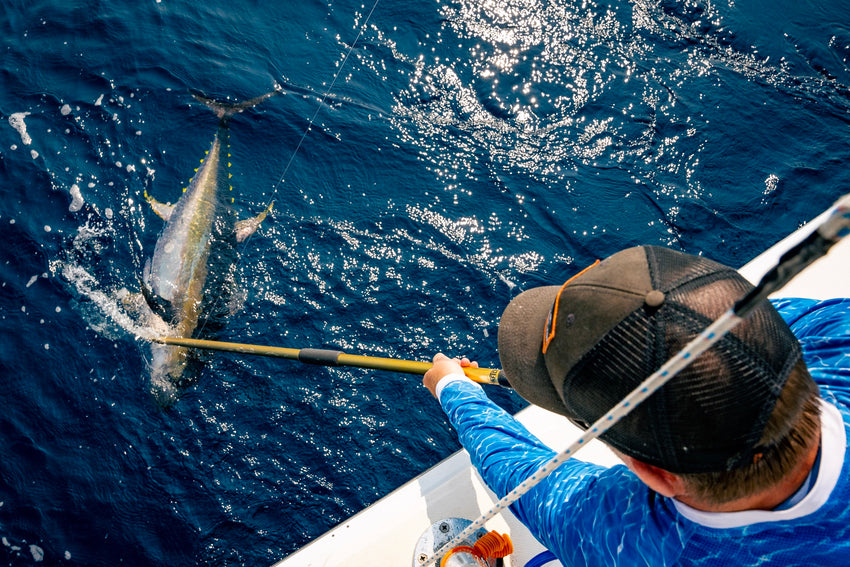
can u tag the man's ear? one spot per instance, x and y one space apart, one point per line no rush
661 481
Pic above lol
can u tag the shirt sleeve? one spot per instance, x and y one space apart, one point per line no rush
566 512
823 329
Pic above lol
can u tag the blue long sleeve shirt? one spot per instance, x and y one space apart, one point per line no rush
587 514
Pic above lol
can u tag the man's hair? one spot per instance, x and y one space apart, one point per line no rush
790 432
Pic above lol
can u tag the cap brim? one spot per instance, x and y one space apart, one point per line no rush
520 347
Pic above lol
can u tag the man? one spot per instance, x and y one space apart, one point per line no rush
739 460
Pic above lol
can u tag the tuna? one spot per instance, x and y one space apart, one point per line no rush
187 279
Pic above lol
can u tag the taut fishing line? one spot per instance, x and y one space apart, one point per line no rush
321 103
309 127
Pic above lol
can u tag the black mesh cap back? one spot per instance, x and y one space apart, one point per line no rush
712 414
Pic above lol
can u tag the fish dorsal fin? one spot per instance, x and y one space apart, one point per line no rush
163 210
247 227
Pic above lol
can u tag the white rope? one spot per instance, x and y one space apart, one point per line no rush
697 346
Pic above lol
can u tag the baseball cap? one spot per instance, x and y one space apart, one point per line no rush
616 323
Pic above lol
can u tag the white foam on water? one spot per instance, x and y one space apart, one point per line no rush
76 199
115 310
32 280
99 100
37 553
65 110
17 122
108 311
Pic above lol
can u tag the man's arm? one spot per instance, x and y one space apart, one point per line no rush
506 453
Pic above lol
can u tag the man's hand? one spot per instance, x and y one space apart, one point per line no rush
443 366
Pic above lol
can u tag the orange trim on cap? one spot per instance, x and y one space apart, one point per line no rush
552 320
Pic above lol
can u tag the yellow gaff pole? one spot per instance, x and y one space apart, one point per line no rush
325 357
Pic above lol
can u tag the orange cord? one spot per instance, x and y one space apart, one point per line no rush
491 544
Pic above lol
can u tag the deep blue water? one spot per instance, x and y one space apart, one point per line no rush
457 153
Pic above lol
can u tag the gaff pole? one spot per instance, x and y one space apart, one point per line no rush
326 357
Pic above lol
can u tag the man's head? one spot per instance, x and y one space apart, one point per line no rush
612 326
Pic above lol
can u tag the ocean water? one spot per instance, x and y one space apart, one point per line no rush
427 162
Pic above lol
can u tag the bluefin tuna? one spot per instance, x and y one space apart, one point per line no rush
193 261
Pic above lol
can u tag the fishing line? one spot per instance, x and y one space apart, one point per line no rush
321 103
310 123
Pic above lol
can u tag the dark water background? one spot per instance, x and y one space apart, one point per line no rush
466 151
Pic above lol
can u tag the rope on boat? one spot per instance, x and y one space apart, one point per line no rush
792 262
490 545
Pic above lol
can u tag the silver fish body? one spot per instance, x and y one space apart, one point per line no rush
194 257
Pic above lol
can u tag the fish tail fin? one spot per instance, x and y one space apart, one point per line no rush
225 110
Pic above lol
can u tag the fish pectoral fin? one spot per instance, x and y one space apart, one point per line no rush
163 210
247 227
